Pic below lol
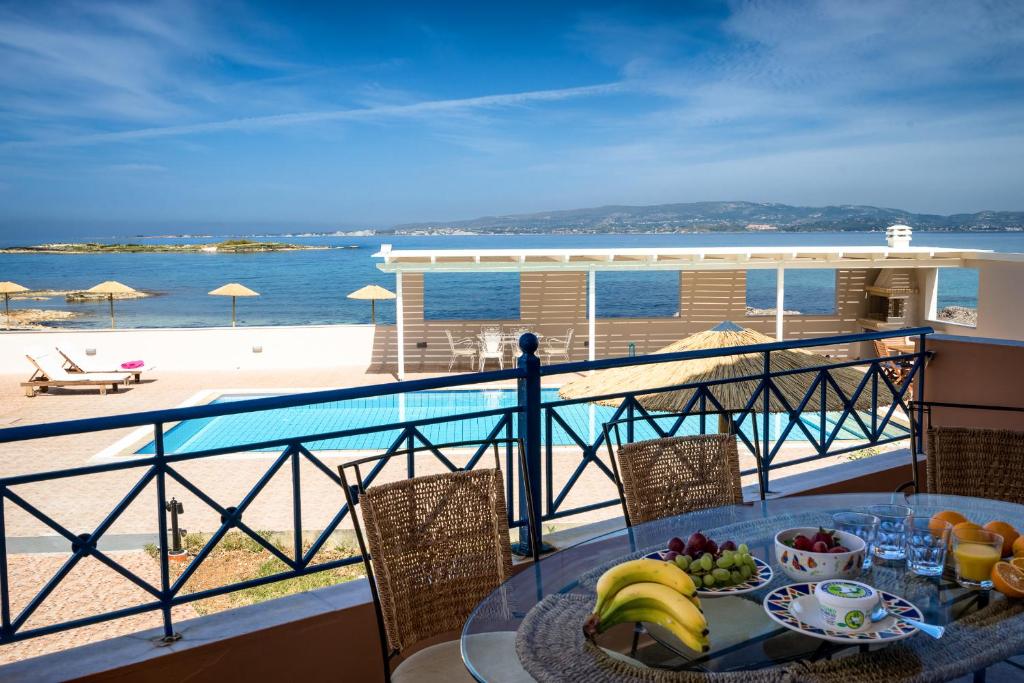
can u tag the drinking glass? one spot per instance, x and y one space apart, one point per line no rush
975 552
891 542
927 541
861 525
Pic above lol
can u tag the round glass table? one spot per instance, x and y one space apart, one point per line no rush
743 637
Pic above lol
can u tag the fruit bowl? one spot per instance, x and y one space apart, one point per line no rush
808 565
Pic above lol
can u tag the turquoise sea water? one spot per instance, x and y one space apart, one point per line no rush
309 287
585 420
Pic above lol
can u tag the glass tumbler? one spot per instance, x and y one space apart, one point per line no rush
975 552
861 525
927 541
891 541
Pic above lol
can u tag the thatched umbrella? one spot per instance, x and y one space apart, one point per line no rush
8 288
233 289
733 396
110 288
372 292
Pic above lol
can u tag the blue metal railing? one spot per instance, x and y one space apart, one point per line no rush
532 420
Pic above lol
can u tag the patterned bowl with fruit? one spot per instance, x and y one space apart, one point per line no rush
816 554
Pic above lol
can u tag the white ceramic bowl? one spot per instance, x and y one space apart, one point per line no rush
804 565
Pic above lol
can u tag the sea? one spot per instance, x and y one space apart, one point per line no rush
310 287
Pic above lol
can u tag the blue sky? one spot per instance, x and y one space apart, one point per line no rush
140 117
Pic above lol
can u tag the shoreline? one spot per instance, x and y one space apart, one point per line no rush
236 246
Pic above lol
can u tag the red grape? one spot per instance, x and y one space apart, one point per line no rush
676 544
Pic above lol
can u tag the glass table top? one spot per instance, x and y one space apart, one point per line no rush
743 637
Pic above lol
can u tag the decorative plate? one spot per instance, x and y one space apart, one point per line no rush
759 579
795 607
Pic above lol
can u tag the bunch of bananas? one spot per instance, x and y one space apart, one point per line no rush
651 591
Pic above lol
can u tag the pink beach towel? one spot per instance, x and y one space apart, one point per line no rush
132 365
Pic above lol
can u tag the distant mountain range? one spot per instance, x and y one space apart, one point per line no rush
718 216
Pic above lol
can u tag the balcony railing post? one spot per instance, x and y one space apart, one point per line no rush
766 459
918 442
530 433
161 512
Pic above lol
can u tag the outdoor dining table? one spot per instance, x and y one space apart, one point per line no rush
544 606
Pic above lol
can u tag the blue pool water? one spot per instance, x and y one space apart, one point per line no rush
585 419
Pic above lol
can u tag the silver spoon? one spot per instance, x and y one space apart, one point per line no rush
881 612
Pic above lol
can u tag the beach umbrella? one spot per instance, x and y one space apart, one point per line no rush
372 292
111 288
234 290
733 396
8 288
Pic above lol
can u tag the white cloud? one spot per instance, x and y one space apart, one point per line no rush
417 109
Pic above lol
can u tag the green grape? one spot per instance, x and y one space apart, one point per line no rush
737 576
709 580
725 561
745 572
707 563
743 549
697 579
683 562
721 575
749 561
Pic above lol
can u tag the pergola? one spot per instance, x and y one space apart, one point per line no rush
592 261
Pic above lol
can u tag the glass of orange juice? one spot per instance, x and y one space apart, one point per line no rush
975 552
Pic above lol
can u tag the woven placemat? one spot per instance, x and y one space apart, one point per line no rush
551 645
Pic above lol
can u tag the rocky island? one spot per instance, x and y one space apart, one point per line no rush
227 246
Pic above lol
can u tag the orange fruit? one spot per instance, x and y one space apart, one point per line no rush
951 516
1018 562
1018 547
960 529
1008 580
1008 533
964 526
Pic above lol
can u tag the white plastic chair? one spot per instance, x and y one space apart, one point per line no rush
461 348
558 347
492 345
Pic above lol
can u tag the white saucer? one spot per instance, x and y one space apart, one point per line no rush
796 608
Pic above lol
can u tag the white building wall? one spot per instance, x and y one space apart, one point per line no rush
219 348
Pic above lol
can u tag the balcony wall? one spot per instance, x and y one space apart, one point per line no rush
977 371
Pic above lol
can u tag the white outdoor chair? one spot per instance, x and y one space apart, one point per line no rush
512 342
558 347
492 345
461 348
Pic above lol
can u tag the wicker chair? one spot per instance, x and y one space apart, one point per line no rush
440 545
671 476
986 463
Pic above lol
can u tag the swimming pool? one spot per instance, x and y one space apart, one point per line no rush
585 419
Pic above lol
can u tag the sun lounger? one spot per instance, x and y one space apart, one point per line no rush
78 365
49 372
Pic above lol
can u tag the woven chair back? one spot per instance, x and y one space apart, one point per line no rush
439 545
986 463
671 476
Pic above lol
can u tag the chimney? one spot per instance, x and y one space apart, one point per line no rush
898 236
